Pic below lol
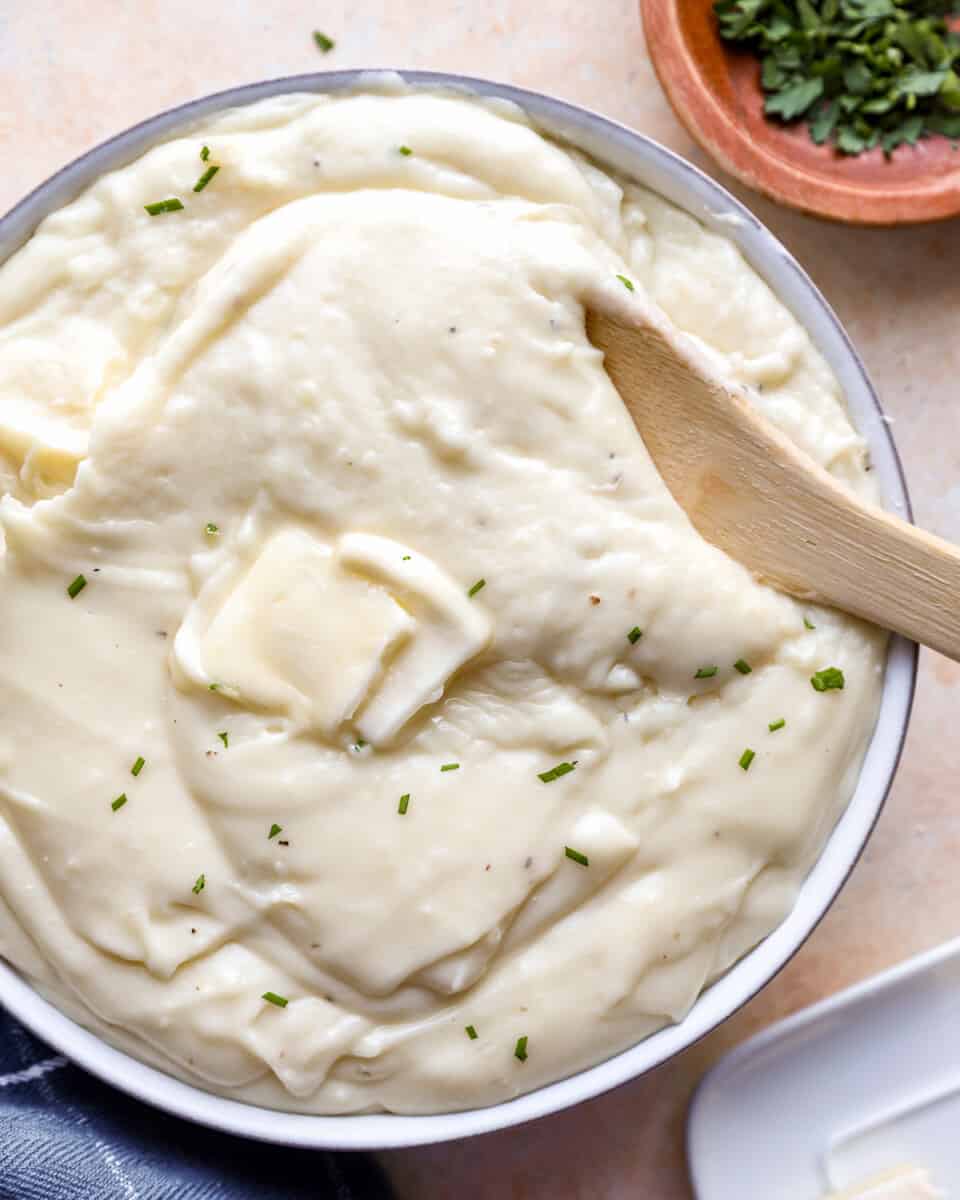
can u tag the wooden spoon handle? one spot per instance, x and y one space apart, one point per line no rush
749 490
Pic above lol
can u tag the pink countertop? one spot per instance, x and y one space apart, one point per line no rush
72 73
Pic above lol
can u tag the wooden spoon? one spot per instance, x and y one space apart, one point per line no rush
749 490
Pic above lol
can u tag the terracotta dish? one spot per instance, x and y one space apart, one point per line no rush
715 91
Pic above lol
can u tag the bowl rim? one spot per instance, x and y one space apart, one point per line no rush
679 181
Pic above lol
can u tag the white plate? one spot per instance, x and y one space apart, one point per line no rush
864 1081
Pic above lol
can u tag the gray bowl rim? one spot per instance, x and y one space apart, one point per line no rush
679 181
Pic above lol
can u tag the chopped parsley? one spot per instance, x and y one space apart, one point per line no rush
164 206
274 830
627 283
557 772
406 558
75 588
405 151
746 758
827 680
808 624
706 672
273 998
404 804
224 737
635 634
859 73
481 583
200 884
323 43
471 1031
450 767
138 766
206 177
778 724
520 1049
210 529
742 666
205 153
119 802
576 856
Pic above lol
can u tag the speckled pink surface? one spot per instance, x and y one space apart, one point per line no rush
72 72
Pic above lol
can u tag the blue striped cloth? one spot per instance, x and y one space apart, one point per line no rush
66 1135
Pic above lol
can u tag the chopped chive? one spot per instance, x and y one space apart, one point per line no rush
405 151
635 634
164 206
450 767
472 1032
576 856
557 772
706 672
775 725
404 804
224 737
75 588
627 283
205 153
119 802
808 624
206 177
324 44
200 884
138 766
210 529
742 666
481 583
829 679
406 558
273 998
520 1049
274 830
746 758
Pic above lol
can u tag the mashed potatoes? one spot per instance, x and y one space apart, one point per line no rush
372 722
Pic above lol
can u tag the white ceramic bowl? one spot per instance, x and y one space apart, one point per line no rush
666 173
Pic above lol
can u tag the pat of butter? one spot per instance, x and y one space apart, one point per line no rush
902 1183
367 632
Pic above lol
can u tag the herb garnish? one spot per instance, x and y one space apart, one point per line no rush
746 758
808 624
206 177
778 724
557 772
224 737
205 153
471 1032
138 766
635 634
627 283
405 151
829 679
199 885
164 206
119 802
75 588
481 583
450 767
706 672
210 529
274 830
273 998
520 1049
576 856
324 43
742 666
861 73
404 804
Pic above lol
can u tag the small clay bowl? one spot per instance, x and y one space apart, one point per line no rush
715 91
